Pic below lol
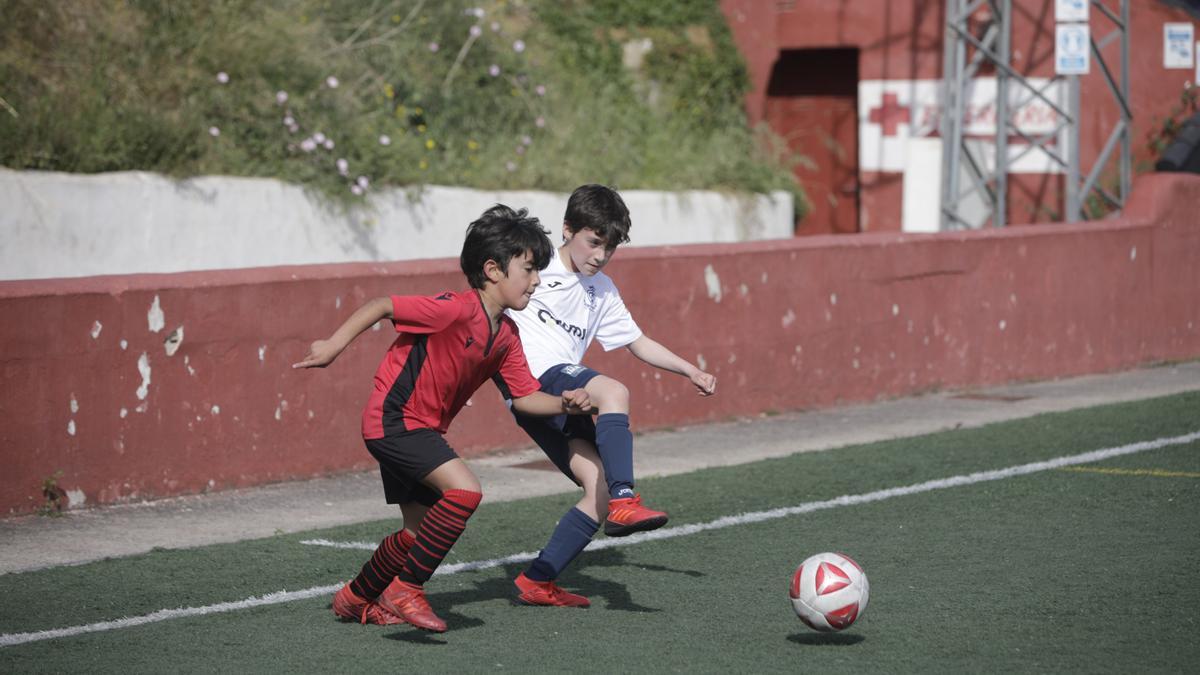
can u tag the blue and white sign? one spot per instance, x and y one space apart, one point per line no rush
1177 45
1066 11
1071 54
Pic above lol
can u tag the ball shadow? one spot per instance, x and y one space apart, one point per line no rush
826 639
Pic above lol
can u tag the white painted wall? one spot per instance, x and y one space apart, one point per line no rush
71 225
922 205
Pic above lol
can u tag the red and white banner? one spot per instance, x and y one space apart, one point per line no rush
890 112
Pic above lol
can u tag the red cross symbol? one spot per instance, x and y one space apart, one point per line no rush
890 115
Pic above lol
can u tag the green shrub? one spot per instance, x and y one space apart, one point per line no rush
510 94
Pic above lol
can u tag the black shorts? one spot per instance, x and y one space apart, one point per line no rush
405 459
552 433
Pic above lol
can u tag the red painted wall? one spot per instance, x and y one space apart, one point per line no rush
795 324
902 40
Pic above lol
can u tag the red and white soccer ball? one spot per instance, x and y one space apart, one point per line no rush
829 591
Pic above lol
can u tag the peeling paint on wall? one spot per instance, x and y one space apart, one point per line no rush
124 345
1133 254
262 352
788 319
713 282
74 404
216 410
144 369
96 328
124 412
71 427
76 499
155 316
701 362
171 344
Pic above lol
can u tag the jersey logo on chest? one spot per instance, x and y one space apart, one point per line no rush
547 318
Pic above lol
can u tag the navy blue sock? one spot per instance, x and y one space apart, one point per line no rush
614 442
570 536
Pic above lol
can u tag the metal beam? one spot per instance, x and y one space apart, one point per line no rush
964 52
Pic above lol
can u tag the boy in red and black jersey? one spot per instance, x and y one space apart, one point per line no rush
449 345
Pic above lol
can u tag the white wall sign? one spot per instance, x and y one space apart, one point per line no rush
1071 10
1071 53
890 112
1177 45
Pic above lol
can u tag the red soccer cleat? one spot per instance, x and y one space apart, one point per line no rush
627 515
546 593
408 602
347 605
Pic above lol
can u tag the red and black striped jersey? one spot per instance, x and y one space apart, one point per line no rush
445 350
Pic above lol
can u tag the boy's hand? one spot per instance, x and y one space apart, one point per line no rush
706 384
577 402
320 354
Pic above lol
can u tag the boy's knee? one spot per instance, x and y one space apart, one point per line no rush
611 394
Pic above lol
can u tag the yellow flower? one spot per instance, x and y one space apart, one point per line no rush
429 144
396 18
421 128
388 91
419 110
472 145
424 165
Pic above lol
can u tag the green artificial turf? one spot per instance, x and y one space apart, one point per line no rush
1054 571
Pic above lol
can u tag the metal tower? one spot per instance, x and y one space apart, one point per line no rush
979 32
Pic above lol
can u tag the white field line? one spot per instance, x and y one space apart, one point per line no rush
10 639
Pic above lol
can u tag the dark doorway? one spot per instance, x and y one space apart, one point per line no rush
812 102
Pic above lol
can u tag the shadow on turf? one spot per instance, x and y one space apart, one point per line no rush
615 595
825 639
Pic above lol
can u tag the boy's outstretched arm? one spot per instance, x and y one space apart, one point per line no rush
541 404
660 357
322 352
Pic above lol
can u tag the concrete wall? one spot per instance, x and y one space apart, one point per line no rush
95 387
69 225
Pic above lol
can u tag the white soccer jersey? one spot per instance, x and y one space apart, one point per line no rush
567 311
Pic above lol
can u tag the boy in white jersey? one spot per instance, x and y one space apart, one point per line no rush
574 304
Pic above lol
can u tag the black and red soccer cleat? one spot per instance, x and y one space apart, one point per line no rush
627 515
347 605
546 594
408 602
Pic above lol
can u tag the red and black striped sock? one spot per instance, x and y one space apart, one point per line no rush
444 522
383 566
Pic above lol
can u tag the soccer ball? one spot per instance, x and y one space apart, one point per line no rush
829 591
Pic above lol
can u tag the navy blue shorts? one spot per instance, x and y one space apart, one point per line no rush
405 459
552 433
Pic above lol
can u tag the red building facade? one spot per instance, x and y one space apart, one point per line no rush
850 84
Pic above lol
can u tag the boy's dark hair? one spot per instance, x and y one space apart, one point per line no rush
600 209
502 234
